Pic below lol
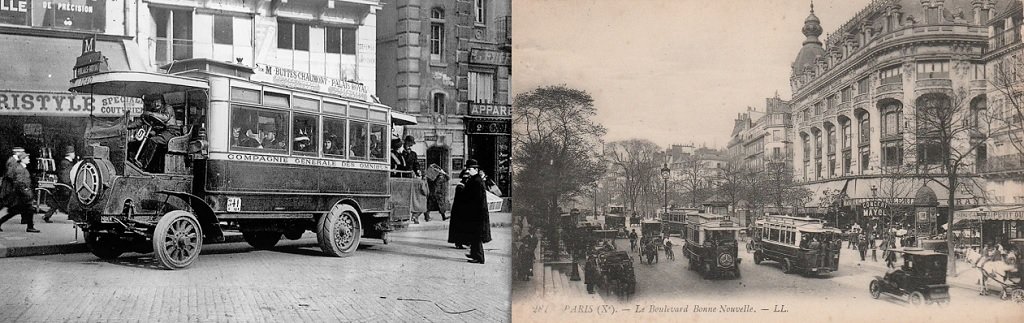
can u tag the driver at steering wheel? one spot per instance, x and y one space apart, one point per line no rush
160 117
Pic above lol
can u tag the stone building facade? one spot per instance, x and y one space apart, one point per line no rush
448 62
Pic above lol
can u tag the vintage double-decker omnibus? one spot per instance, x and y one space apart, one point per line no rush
711 245
801 245
249 155
674 221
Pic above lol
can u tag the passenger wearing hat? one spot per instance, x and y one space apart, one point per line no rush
19 176
397 160
470 221
58 200
411 158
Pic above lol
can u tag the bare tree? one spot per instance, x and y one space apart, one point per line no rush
553 138
636 163
947 133
778 184
693 178
733 182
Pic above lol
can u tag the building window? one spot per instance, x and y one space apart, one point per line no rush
223 30
847 135
439 103
436 41
832 166
776 153
929 152
831 101
892 153
979 71
865 157
480 7
817 108
831 140
817 145
292 36
807 148
481 87
173 34
933 70
332 43
862 85
348 41
891 123
892 75
847 94
865 130
847 160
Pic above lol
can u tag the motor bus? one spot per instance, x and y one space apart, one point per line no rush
674 220
801 245
254 156
711 246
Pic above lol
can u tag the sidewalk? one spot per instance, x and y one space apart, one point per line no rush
62 236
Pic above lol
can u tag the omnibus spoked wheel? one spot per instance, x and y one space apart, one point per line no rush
104 246
261 240
177 240
339 231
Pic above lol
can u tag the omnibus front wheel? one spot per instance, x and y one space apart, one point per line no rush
339 231
177 240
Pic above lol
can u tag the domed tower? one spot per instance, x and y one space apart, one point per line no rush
811 49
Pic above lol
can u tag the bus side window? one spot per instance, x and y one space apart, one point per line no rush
378 135
358 135
304 134
334 137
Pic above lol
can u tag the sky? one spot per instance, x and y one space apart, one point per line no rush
670 71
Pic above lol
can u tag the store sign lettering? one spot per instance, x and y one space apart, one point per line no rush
490 57
308 81
490 110
489 127
14 12
60 104
283 160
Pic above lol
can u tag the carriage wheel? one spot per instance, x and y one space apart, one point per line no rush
875 288
177 240
1017 295
916 298
261 240
339 231
104 246
758 258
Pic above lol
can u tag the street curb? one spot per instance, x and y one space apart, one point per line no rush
79 247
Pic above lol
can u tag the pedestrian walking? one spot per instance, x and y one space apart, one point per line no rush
874 249
456 223
437 200
58 201
470 206
19 190
862 246
632 240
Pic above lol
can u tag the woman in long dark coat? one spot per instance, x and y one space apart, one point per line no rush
437 200
470 222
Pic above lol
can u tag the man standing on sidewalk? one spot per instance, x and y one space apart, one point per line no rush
59 199
862 246
18 176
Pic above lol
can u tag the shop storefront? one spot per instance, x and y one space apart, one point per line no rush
989 224
36 110
489 141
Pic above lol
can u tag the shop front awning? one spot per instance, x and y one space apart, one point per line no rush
402 119
910 191
990 213
135 84
32 63
819 190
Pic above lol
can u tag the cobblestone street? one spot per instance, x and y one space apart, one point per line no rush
417 277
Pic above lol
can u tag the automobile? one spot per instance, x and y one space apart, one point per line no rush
920 280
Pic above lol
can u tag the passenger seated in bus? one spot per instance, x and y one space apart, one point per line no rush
377 147
268 140
397 160
302 142
330 148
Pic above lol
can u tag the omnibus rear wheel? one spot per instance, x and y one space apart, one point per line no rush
339 231
104 246
261 240
177 240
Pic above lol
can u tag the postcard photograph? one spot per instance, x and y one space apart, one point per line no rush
775 161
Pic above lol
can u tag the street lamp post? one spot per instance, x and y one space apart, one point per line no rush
665 173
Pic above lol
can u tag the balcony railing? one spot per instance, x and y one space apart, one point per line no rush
504 30
1006 163
1003 38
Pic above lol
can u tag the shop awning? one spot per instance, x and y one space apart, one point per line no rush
906 191
990 213
135 84
32 63
402 119
818 191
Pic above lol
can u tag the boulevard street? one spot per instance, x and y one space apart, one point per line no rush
417 277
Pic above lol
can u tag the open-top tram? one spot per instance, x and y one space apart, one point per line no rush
267 154
801 245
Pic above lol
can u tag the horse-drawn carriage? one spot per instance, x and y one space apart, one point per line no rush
1007 272
616 222
610 270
